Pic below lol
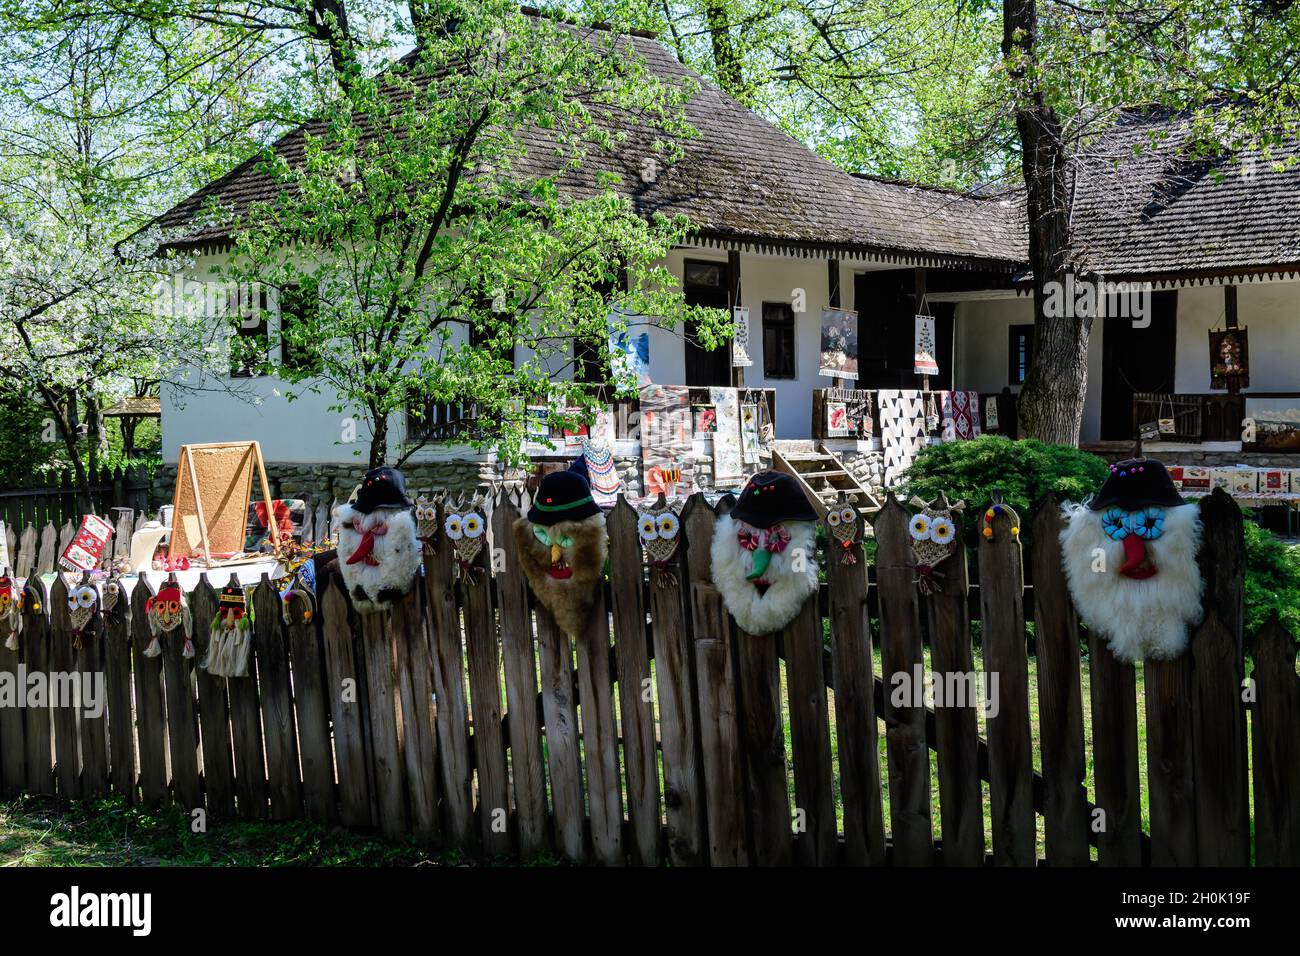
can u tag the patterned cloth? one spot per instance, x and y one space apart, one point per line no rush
961 417
902 430
605 482
727 465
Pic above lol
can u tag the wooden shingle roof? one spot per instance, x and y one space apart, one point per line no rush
1145 205
740 181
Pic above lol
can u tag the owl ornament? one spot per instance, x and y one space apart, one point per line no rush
426 523
231 634
764 553
660 533
111 598
168 610
562 545
379 554
466 529
83 600
934 531
845 526
1129 554
11 612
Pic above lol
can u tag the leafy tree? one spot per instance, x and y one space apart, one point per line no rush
434 227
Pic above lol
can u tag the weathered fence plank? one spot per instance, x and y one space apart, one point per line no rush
151 721
13 747
449 685
419 734
1276 746
182 724
716 690
1172 797
94 729
214 716
279 732
810 744
67 763
526 767
956 731
38 737
900 653
311 712
1113 687
251 786
600 738
762 741
345 708
1218 713
636 702
121 709
556 653
483 654
385 753
1011 756
1060 695
855 708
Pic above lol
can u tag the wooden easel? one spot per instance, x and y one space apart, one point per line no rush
249 447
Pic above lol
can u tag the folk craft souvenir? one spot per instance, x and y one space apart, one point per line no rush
168 610
378 548
844 525
1129 555
231 634
84 551
996 510
11 612
764 553
562 545
301 587
83 600
426 523
466 528
936 536
660 531
112 595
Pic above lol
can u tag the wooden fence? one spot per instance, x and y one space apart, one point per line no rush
664 734
53 498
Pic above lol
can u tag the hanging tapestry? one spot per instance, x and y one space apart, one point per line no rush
991 413
1229 358
848 413
740 357
629 352
839 358
749 434
961 419
666 451
924 362
727 464
704 419
605 482
902 429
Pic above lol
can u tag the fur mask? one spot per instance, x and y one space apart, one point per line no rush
764 574
379 555
1134 577
564 563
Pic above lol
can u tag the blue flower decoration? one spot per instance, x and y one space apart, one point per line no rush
1115 522
1148 523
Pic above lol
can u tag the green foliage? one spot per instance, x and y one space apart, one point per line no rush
1272 579
1023 471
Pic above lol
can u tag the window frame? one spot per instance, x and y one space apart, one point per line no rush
783 324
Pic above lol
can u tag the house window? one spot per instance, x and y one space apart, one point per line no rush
299 313
1020 352
250 343
778 340
706 284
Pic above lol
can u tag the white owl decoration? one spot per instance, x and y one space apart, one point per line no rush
659 529
935 538
83 599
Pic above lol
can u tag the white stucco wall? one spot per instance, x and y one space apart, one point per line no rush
982 345
1271 313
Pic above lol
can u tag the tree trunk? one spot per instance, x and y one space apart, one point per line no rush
726 61
378 439
1050 404
64 410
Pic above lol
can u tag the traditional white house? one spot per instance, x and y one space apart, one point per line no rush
782 232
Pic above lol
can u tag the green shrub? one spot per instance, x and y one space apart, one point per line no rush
1023 471
1272 580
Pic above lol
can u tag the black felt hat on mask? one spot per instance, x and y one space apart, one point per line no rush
562 496
382 488
1137 483
771 497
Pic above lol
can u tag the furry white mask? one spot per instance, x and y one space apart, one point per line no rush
1134 577
379 555
764 575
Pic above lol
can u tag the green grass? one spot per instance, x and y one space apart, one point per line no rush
39 832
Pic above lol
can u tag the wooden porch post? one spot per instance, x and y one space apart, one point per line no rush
1230 321
833 299
733 302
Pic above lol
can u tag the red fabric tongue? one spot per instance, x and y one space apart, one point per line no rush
1135 552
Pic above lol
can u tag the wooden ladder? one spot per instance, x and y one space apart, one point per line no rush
823 477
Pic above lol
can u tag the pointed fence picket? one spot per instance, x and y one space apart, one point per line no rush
464 715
